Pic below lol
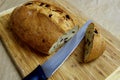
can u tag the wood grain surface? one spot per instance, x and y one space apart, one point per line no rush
103 12
115 75
26 59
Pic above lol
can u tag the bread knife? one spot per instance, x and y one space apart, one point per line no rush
44 71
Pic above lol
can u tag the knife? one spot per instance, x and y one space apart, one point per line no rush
44 71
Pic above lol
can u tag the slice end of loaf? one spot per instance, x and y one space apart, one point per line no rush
94 44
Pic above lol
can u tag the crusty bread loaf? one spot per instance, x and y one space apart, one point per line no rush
40 24
46 28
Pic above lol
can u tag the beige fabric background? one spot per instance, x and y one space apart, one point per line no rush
104 12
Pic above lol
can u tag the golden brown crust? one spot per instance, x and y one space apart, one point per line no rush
40 24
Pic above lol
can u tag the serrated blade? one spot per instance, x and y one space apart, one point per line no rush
51 65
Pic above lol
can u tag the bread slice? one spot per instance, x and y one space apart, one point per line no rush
94 43
46 28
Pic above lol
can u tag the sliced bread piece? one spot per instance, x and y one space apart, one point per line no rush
94 43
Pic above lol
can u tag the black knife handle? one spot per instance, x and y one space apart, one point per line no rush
37 74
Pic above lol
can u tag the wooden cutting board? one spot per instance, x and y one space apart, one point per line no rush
26 60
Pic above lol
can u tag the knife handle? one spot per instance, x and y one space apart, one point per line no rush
37 74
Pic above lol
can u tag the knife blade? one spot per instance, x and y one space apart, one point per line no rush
48 68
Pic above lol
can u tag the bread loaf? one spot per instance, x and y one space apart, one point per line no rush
46 28
40 24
